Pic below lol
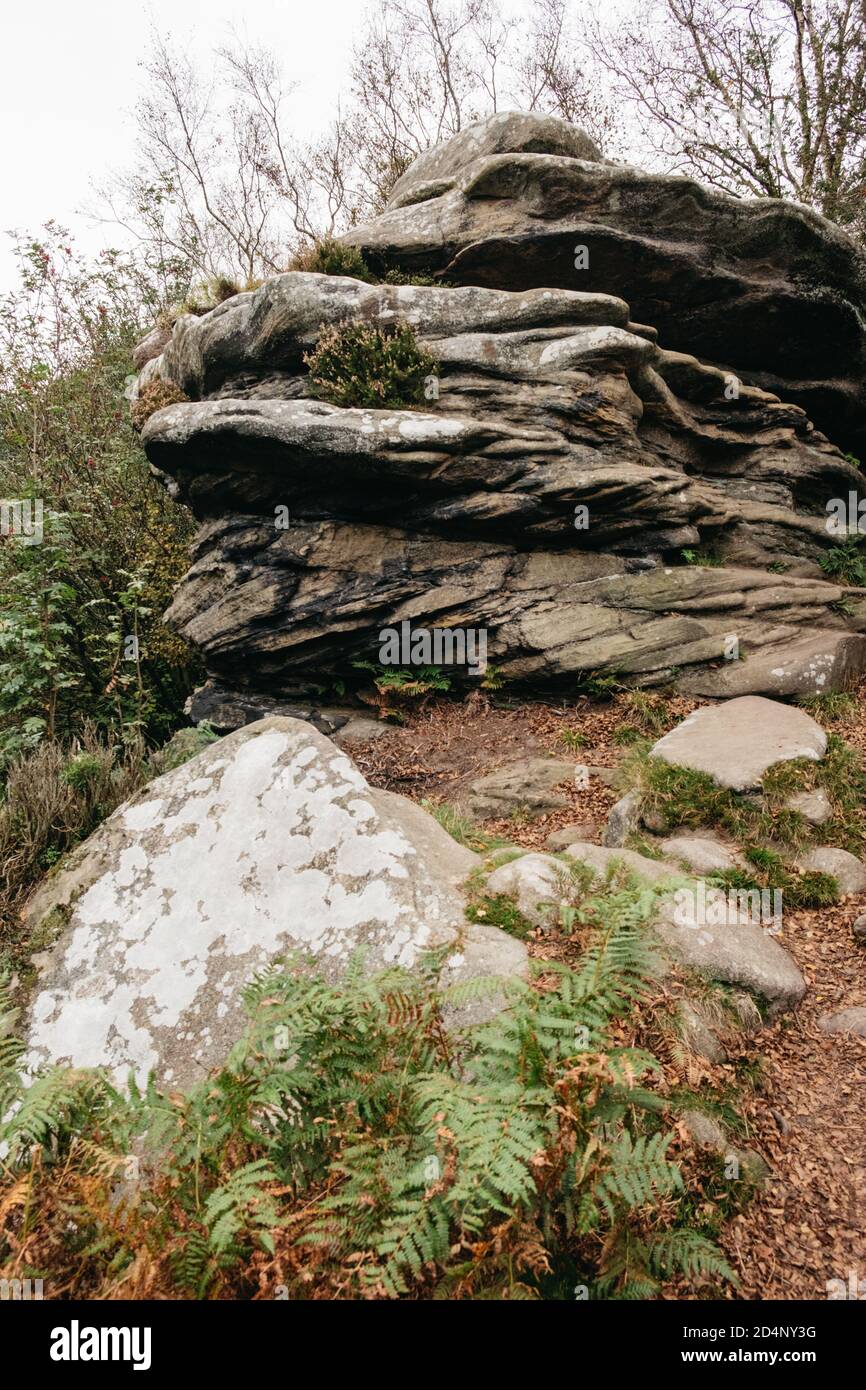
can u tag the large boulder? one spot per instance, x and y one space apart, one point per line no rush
735 743
268 841
552 492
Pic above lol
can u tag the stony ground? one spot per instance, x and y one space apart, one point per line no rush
805 1109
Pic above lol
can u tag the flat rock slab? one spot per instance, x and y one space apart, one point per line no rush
525 785
735 743
845 1021
268 841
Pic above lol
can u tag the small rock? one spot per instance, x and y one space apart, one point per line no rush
815 807
752 1166
600 858
738 953
606 775
705 1130
845 1021
858 929
362 730
525 785
698 1036
702 854
535 881
568 834
622 820
736 742
848 871
747 1011
150 347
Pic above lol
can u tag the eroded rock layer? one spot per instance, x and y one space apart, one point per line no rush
766 287
558 491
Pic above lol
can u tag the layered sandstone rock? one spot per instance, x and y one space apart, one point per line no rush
571 465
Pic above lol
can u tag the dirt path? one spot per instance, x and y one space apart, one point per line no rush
809 1121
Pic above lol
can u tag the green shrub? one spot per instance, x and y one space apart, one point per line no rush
573 739
183 745
846 562
649 711
833 707
462 829
208 295
52 800
352 1144
332 257
500 910
597 685
356 364
680 796
398 691
114 544
702 557
408 277
808 889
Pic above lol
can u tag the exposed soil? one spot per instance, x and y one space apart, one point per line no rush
807 1114
809 1122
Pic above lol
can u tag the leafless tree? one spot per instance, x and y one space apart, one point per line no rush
221 184
762 97
201 189
427 68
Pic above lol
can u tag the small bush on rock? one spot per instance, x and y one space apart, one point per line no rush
152 397
846 562
357 364
331 257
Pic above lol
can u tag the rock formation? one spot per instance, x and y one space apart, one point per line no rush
769 289
572 456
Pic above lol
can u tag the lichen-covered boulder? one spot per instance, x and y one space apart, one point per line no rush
268 841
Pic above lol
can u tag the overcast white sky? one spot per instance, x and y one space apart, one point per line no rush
71 76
